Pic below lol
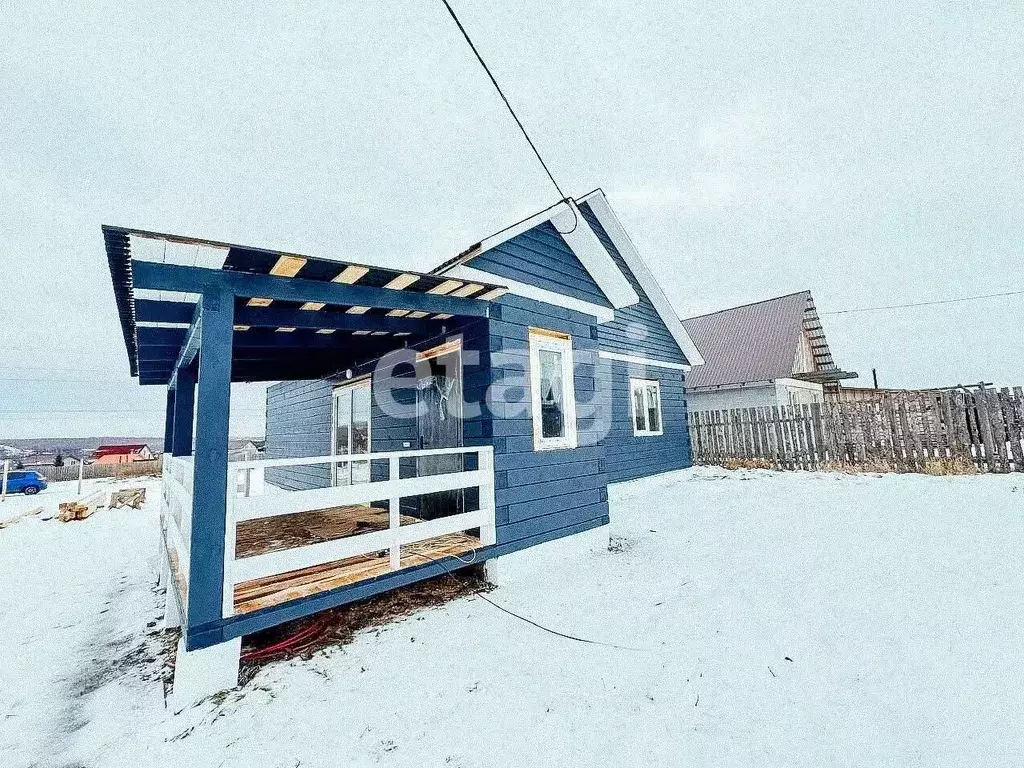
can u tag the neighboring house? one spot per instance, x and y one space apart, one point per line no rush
122 454
421 422
770 353
41 460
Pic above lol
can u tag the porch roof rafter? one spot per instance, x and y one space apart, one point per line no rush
283 306
176 277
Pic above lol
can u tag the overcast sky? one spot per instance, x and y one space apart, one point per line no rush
873 156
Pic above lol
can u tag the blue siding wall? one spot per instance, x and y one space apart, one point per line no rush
540 257
299 415
542 495
299 424
630 456
638 329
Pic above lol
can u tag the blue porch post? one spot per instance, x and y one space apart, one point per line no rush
209 506
169 423
184 401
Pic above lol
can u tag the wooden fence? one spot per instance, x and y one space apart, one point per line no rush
903 431
69 471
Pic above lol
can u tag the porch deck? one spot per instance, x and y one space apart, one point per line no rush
282 532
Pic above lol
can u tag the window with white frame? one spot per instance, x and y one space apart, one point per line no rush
552 393
645 396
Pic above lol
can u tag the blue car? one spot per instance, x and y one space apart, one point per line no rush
24 481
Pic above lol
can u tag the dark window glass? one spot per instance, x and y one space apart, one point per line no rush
653 415
638 408
552 394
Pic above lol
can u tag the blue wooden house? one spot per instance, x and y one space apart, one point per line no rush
418 422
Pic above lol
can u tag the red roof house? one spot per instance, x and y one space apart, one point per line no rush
122 454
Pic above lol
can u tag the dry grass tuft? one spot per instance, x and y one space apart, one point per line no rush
871 466
958 465
748 464
341 624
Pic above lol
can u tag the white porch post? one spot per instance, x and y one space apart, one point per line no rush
395 516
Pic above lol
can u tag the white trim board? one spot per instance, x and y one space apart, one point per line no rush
167 251
645 361
603 314
620 239
582 241
592 255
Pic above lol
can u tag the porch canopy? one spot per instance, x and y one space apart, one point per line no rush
198 314
286 316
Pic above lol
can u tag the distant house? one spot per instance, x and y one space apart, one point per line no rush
44 459
770 353
248 450
122 454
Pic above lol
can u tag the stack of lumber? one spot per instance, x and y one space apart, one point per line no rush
21 516
129 497
81 509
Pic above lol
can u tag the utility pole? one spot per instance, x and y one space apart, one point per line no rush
81 466
874 375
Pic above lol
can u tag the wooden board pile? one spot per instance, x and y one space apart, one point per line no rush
81 509
129 497
22 516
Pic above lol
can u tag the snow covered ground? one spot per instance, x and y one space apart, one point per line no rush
764 619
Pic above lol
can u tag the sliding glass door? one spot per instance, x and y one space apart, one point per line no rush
351 432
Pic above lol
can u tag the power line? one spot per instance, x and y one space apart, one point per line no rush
923 303
50 412
501 93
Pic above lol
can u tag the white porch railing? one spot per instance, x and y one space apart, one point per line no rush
245 504
176 515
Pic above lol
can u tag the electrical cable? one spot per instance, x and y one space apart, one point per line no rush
565 198
923 303
478 592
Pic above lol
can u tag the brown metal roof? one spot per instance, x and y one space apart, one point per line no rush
754 342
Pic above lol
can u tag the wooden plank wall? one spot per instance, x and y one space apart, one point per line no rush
904 431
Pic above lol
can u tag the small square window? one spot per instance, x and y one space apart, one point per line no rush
645 402
553 397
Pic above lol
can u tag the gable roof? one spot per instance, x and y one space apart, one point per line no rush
596 259
598 205
116 450
568 222
757 342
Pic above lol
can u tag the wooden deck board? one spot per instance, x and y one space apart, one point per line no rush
272 534
256 537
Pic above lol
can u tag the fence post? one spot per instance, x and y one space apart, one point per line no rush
81 470
3 489
394 515
485 463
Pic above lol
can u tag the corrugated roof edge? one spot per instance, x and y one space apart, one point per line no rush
748 304
119 260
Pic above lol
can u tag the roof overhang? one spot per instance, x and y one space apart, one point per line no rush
602 210
825 376
295 317
570 224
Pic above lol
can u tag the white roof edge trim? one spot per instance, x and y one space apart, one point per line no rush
644 361
603 314
592 255
620 238
518 228
582 241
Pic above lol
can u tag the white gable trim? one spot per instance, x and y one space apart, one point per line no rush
593 256
644 361
518 228
599 205
603 314
582 241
